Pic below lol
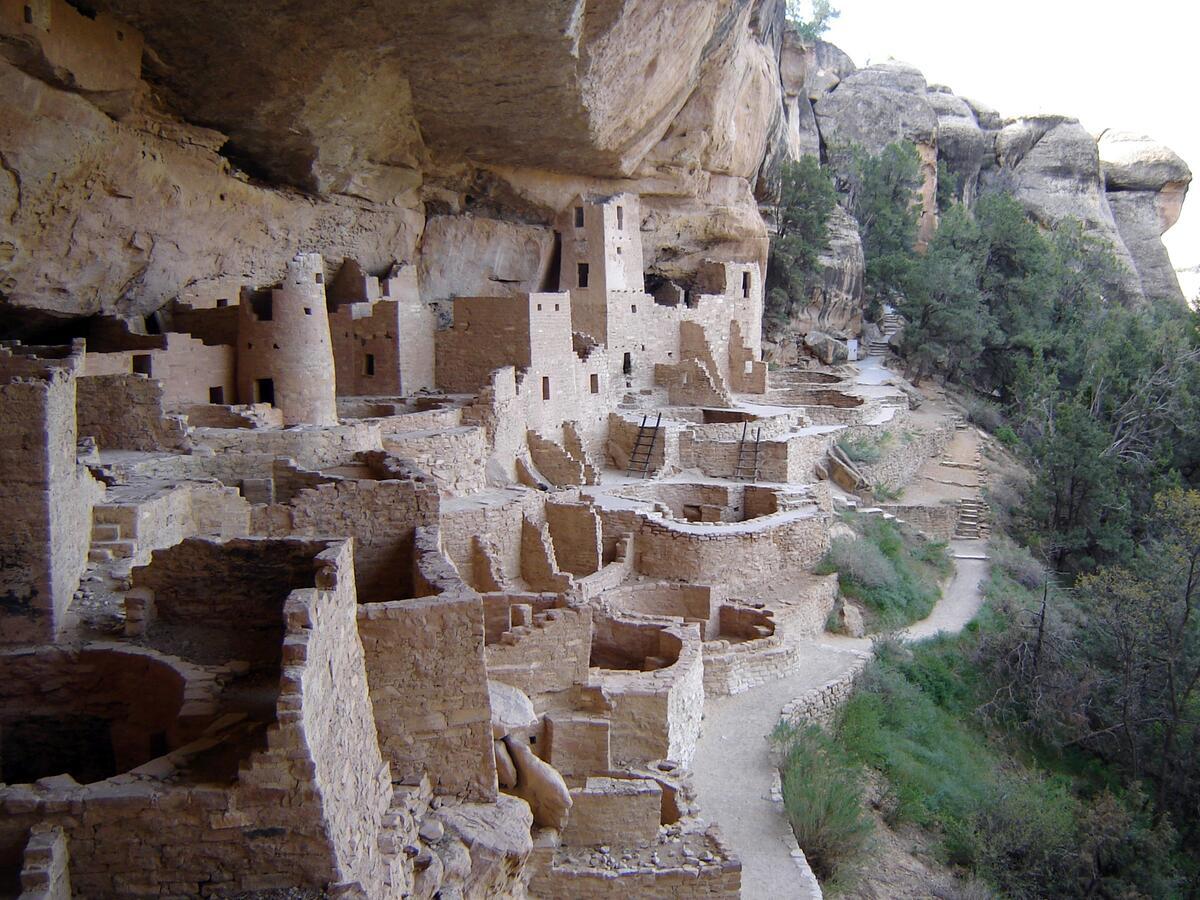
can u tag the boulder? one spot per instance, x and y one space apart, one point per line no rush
850 620
469 256
540 785
836 301
1146 184
512 711
826 347
506 772
1050 164
960 140
497 837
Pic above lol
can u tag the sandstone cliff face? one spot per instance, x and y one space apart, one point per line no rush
1146 184
258 130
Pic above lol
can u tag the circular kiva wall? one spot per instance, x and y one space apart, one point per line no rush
91 714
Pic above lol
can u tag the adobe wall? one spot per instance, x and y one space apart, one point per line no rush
188 368
306 810
381 515
756 549
46 498
487 333
656 715
546 657
128 412
290 345
575 532
909 449
692 602
456 457
241 452
425 664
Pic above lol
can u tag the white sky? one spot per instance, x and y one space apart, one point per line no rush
1131 66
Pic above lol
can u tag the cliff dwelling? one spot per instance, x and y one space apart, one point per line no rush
390 483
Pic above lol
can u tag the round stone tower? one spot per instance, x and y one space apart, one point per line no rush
284 353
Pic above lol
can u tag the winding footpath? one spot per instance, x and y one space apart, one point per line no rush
732 770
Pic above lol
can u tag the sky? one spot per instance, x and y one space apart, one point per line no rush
1128 66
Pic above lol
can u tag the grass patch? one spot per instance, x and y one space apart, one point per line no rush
823 800
894 573
866 449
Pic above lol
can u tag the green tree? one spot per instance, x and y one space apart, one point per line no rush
881 195
811 27
807 198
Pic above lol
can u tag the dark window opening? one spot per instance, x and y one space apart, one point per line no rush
141 364
82 8
222 303
120 35
633 307
264 390
745 284
579 217
308 310
152 325
627 364
539 307
216 395
595 383
29 15
320 278
39 746
369 364
263 306
620 218
556 308
583 275
276 346
545 388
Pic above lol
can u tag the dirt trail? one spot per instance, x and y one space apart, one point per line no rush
732 769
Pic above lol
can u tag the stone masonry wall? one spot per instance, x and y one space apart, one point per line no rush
126 412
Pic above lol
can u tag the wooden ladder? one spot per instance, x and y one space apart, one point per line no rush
747 461
643 447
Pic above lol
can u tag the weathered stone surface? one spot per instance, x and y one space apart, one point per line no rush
467 256
1051 166
881 105
826 347
497 836
118 217
835 304
1147 183
540 785
808 71
511 709
506 772
960 140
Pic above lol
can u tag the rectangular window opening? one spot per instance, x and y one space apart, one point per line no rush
264 390
308 310
29 15
620 218
222 303
746 284
627 364
320 277
216 395
633 307
263 306
545 388
583 275
369 364
579 217
595 383
141 364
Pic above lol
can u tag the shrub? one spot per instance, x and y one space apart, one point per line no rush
1016 562
861 449
1006 436
986 415
823 799
859 560
885 493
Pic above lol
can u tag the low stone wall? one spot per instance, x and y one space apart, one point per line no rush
126 412
455 457
819 705
716 879
910 449
936 521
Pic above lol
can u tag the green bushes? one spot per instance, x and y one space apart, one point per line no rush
893 574
822 796
865 449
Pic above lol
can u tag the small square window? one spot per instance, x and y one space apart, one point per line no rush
216 395
141 364
320 278
579 217
308 310
222 303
